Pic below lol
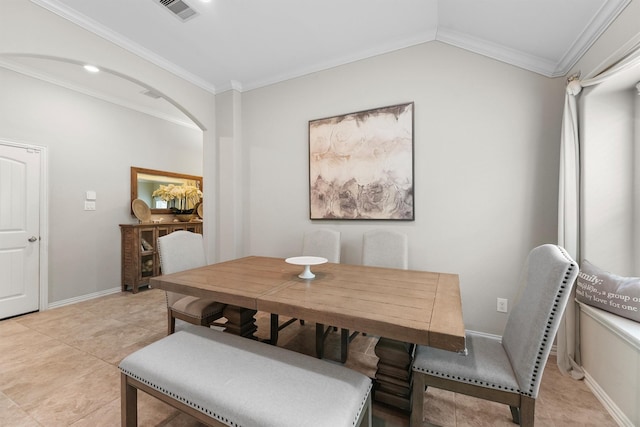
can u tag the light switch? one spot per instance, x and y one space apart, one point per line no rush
91 195
89 206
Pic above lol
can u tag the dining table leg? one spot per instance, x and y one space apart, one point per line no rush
394 373
240 321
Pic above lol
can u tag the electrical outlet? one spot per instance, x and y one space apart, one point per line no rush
502 305
89 205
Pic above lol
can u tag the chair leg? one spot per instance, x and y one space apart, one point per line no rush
275 327
515 414
321 334
171 322
417 400
344 345
319 340
128 403
527 411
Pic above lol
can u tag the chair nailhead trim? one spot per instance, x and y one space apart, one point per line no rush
182 399
218 416
362 404
468 380
534 375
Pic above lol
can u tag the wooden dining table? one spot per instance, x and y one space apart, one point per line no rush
404 307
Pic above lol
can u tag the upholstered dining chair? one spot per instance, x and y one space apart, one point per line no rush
322 242
179 251
380 248
385 248
507 370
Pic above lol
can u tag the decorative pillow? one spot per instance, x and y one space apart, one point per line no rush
607 291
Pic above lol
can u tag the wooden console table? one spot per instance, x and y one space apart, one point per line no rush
140 260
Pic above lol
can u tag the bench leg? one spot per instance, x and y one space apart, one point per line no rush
128 403
366 416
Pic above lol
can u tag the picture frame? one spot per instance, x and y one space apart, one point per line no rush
361 165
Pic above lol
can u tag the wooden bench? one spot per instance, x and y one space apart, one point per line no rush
222 379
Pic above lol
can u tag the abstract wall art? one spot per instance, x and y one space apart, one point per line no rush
361 165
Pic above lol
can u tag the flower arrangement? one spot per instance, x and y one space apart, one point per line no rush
184 197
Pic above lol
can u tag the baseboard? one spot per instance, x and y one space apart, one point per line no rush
618 416
83 298
615 412
484 334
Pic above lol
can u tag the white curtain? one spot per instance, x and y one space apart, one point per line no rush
569 225
567 340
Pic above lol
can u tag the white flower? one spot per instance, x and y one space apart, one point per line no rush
185 195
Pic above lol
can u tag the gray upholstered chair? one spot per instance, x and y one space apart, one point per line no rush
384 248
506 370
380 248
179 251
322 242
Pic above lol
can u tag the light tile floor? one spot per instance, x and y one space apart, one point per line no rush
59 368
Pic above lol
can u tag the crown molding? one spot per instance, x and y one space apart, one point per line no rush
496 51
544 66
104 32
605 16
322 66
231 85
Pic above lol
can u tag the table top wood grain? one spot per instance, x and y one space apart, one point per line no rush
407 305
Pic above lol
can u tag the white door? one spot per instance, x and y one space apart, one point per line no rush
19 230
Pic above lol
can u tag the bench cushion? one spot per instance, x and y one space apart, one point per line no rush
241 382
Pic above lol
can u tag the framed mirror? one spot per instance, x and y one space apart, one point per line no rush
145 181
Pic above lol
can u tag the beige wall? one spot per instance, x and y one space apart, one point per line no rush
486 164
93 143
486 154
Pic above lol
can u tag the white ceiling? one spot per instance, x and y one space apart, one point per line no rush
246 44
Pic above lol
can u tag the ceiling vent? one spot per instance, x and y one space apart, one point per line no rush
178 8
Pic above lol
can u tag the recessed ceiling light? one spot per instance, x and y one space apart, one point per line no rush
91 68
